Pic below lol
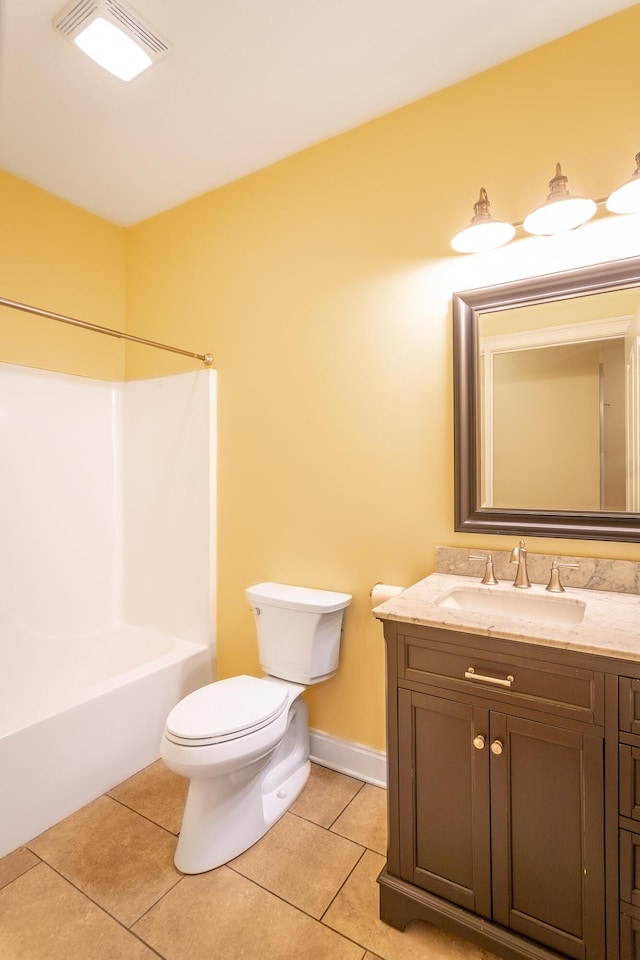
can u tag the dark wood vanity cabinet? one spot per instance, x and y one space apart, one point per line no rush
629 811
500 821
501 833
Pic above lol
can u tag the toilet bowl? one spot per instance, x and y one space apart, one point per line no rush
244 742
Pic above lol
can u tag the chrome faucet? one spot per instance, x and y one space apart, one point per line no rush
519 556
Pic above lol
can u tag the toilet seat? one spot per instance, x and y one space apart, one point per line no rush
225 710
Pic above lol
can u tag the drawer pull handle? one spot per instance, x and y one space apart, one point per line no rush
496 747
471 674
479 742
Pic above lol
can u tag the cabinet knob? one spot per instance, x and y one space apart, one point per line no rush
496 747
479 742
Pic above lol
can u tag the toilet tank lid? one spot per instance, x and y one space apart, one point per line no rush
306 599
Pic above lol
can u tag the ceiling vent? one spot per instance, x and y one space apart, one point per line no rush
94 24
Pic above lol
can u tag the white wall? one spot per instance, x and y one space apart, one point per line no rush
106 503
59 527
168 459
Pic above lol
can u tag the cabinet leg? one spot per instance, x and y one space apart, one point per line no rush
393 905
401 902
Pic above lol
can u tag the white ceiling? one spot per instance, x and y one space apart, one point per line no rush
247 83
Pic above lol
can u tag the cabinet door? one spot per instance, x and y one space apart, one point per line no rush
629 937
444 799
548 835
629 779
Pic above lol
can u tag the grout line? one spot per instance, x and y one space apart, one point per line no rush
345 808
24 872
338 891
304 913
104 910
143 815
145 944
180 877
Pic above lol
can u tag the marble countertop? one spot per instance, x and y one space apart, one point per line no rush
610 627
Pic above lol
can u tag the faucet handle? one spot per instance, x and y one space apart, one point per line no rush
554 585
517 551
489 575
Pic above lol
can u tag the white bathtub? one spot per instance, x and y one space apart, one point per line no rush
79 715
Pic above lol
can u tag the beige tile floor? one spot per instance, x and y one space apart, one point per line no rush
101 885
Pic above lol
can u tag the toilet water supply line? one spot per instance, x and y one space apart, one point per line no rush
206 358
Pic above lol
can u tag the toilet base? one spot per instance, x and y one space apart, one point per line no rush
226 815
278 801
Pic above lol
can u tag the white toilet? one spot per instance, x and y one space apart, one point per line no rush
244 742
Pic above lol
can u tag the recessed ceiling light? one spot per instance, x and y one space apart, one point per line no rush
113 35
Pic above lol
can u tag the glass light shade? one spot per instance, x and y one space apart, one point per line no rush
484 232
626 199
479 237
556 216
112 49
561 210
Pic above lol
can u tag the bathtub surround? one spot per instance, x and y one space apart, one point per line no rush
102 730
106 574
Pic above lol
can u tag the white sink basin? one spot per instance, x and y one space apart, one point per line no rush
543 608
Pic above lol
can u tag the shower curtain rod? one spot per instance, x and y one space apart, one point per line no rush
206 358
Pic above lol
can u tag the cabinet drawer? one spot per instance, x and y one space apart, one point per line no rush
630 935
629 705
630 868
538 684
629 775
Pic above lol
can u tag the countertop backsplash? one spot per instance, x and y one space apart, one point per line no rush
613 576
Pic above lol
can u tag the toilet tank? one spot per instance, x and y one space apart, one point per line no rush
299 630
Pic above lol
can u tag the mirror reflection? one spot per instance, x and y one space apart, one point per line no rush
558 398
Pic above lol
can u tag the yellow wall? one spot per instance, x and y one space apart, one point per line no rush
322 286
59 258
546 428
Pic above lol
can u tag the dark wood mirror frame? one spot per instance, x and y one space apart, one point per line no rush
468 306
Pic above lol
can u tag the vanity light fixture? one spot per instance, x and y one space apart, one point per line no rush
484 232
112 35
560 212
626 199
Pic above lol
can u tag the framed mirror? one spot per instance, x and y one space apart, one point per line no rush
547 405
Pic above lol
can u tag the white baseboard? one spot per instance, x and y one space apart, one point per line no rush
352 759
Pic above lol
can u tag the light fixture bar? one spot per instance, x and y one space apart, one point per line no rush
560 212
